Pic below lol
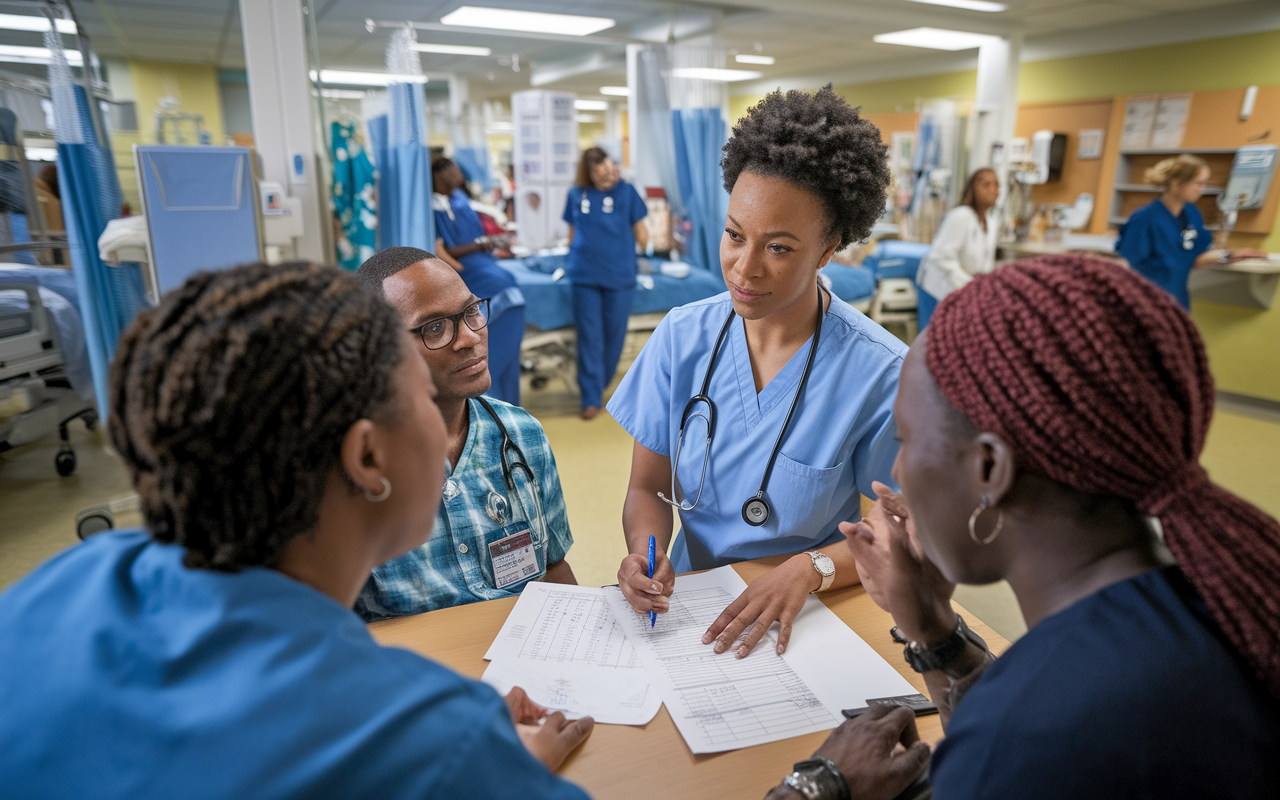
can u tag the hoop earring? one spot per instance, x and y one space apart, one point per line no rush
386 492
973 521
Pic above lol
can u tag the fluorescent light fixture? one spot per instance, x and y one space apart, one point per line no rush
344 77
712 74
22 22
591 105
42 153
968 5
588 118
507 19
615 91
936 39
342 94
452 49
17 54
747 59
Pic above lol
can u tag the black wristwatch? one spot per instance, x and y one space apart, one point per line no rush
817 779
939 655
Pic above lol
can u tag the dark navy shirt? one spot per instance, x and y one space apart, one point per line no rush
124 674
603 251
1133 692
1155 243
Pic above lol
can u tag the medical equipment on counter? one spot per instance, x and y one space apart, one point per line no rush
756 510
494 507
1247 185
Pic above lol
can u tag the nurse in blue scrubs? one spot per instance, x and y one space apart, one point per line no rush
606 222
794 389
465 241
1167 239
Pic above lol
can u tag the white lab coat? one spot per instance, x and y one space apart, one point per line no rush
961 249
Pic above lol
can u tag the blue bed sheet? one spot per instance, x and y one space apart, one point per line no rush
851 284
895 259
59 295
549 303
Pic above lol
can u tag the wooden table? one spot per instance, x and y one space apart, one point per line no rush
653 761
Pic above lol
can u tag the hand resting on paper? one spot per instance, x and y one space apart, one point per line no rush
776 596
550 738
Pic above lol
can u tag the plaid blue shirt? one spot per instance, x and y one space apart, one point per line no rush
453 567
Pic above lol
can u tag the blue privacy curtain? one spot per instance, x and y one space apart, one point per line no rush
404 169
110 297
699 136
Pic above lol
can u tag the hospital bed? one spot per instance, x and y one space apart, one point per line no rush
549 347
45 381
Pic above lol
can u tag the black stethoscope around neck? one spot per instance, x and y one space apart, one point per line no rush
756 510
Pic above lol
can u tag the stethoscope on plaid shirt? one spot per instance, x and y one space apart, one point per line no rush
513 461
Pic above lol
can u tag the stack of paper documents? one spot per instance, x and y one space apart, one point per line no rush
585 651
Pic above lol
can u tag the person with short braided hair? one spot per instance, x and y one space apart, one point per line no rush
1051 415
282 436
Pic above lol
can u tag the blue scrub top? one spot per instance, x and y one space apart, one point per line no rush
603 252
457 223
1153 242
1132 692
127 675
841 438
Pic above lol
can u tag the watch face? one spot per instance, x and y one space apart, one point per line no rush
823 563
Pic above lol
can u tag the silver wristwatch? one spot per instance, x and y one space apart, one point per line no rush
825 567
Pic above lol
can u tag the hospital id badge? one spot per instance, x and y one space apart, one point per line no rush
513 558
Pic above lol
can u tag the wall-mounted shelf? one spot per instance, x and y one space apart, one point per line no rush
1202 151
1250 283
1147 187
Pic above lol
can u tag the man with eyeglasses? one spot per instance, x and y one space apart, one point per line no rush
502 520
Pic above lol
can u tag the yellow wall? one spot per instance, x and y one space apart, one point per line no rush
1243 344
194 85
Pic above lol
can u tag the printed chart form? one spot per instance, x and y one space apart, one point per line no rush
564 647
721 702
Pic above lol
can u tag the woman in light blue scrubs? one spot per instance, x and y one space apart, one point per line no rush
806 176
1166 239
606 222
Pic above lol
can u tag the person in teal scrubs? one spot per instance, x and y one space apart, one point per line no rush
459 226
1166 239
806 176
281 433
606 223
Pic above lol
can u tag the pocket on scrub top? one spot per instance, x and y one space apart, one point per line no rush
805 498
512 556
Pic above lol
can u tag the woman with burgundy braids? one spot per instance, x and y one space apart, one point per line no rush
1052 415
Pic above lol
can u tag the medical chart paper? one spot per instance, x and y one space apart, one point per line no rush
720 702
563 646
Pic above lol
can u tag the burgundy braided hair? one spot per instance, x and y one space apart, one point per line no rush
1099 381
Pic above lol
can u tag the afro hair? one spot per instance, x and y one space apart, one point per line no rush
818 142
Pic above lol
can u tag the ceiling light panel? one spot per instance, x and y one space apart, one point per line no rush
344 77
17 54
749 59
591 105
21 22
711 74
967 5
615 91
530 21
452 49
935 39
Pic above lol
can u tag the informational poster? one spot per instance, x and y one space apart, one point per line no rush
1139 117
1090 145
1170 121
545 156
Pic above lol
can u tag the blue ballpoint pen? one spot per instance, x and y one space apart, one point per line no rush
653 549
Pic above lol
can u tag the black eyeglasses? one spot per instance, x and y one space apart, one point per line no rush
439 333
